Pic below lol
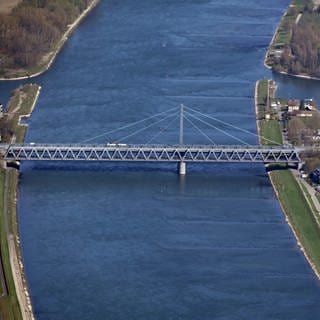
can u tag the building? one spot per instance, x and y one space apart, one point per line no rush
293 105
309 105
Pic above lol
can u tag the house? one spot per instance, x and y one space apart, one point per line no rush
274 104
309 105
293 105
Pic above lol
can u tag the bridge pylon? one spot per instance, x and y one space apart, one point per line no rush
182 166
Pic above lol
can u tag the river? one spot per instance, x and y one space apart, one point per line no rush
127 241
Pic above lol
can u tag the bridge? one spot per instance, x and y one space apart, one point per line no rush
180 153
162 153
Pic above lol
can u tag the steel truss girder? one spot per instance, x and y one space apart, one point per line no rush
163 153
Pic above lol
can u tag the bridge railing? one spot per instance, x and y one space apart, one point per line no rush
153 146
167 153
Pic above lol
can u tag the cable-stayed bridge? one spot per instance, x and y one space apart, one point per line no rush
180 153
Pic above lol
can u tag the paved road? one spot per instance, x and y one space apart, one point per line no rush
309 188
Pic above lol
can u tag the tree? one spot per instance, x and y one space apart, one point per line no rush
33 28
295 127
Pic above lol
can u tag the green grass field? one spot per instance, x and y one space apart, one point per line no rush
262 91
9 306
271 132
299 213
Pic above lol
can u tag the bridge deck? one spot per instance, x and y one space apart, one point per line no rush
164 153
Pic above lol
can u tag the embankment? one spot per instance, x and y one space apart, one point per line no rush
295 206
299 215
16 304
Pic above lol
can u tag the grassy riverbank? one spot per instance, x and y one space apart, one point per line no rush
21 104
267 120
9 304
299 214
15 298
295 203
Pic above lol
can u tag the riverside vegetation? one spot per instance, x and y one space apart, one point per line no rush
33 29
295 45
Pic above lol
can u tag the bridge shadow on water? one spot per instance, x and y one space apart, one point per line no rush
192 168
280 166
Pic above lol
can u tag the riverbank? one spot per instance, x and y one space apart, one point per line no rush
49 57
296 206
15 303
299 215
266 62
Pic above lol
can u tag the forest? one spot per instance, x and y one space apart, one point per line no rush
32 29
305 53
302 55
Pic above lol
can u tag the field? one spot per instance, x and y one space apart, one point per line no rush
270 132
299 214
9 306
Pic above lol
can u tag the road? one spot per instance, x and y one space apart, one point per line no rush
309 188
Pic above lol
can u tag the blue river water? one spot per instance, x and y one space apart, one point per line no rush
124 241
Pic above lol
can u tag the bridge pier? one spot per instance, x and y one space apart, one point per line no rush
182 168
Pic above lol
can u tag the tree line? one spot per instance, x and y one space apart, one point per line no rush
303 53
32 28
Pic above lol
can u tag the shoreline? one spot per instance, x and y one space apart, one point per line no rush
16 262
13 239
28 115
272 40
256 107
51 56
301 76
